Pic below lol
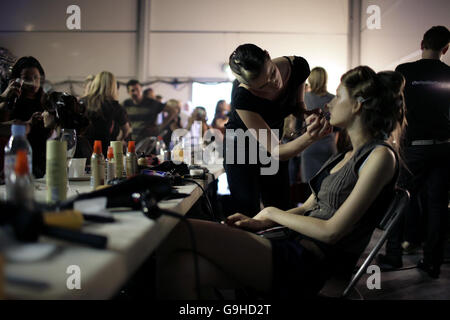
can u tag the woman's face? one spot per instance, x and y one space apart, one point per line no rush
268 79
32 81
49 119
340 108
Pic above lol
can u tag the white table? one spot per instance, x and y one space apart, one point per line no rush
131 239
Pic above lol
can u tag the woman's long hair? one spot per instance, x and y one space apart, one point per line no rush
219 114
102 89
318 81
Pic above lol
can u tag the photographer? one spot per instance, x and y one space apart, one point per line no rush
22 101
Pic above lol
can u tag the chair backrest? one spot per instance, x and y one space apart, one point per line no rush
391 217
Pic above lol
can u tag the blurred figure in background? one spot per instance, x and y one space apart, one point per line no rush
7 60
314 157
175 123
62 111
109 120
30 95
221 116
87 84
143 112
199 114
185 113
149 93
28 106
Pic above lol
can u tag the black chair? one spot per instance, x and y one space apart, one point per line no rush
392 216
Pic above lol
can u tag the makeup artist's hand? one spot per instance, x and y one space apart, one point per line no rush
317 126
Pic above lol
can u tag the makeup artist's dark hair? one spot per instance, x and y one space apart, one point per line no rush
248 57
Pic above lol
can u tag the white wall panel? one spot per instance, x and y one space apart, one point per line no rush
76 55
50 15
327 16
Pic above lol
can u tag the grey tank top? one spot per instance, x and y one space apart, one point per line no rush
332 189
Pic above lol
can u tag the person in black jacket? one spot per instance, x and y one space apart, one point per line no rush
427 154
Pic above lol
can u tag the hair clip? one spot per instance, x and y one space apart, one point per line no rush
362 100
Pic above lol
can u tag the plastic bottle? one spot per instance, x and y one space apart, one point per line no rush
56 170
97 166
161 150
18 141
131 160
110 165
20 190
118 158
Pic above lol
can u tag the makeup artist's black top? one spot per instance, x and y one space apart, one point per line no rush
272 111
427 97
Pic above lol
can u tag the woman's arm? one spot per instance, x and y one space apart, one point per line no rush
124 132
261 222
317 128
376 173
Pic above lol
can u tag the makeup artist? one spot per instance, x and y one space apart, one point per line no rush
265 92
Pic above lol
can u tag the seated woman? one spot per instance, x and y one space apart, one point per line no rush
109 120
329 232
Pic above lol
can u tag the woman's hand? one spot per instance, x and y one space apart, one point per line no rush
12 89
257 223
35 120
